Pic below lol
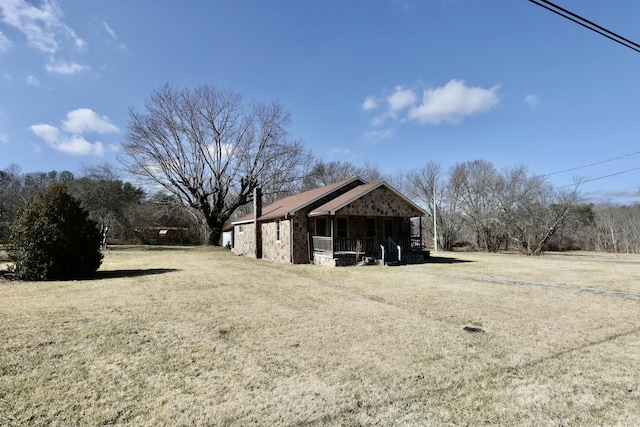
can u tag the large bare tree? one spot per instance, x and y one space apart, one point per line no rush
207 148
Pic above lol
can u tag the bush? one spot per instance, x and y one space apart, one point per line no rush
52 238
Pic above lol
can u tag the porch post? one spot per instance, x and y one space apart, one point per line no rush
257 213
331 219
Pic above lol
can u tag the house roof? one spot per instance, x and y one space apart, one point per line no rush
290 205
331 207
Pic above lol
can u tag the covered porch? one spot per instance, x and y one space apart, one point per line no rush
349 240
372 221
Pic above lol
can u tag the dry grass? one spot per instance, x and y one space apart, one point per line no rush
196 336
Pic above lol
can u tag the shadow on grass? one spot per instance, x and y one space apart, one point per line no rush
119 274
444 260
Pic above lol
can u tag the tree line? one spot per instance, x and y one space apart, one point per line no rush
203 151
473 203
124 212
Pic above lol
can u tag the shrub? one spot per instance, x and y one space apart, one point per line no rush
52 238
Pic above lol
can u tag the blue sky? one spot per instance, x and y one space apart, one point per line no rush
395 83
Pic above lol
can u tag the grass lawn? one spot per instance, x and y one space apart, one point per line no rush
198 336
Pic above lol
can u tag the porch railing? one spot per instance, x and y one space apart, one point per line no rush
367 245
322 244
413 242
344 244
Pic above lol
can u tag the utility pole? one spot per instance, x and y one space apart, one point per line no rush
435 223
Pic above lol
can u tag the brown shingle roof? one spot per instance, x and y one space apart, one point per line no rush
292 204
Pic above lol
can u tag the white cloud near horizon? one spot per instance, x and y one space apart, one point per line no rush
70 139
451 103
340 151
620 194
42 26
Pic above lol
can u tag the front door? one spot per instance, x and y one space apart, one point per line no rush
388 228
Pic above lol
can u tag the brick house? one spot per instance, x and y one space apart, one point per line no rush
334 225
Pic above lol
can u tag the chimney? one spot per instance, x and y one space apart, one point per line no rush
257 227
257 202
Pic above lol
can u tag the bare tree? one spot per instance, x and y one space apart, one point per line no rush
322 174
11 199
107 198
521 203
476 184
557 210
210 151
423 185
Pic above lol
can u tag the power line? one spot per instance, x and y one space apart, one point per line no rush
587 24
601 177
591 164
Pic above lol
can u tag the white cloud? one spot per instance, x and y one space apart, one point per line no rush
375 136
67 68
42 26
32 80
49 133
401 99
4 138
74 145
85 120
620 194
532 100
454 102
69 140
451 103
224 152
340 151
5 43
370 103
107 28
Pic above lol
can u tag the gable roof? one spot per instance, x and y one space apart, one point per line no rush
289 205
332 206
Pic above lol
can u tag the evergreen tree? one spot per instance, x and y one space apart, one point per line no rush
52 238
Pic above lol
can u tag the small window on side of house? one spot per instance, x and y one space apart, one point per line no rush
241 229
277 231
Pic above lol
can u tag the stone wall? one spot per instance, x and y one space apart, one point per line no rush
276 250
380 202
243 241
300 238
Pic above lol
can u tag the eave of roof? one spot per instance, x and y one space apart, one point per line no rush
290 205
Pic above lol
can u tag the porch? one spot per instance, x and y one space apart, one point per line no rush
350 251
